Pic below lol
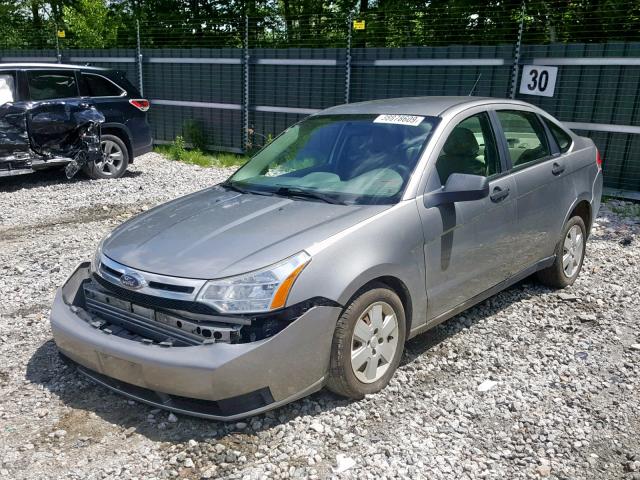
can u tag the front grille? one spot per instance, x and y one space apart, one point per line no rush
147 323
166 287
152 300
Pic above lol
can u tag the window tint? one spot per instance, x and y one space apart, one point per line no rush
51 84
525 136
7 88
99 86
562 138
470 149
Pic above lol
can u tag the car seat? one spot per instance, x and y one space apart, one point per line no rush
460 155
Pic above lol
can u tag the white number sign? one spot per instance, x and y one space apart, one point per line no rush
538 80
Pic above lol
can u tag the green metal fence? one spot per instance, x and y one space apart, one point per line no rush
242 81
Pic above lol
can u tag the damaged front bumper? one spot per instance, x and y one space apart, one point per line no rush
221 381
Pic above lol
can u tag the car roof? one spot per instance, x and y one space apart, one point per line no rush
425 106
50 65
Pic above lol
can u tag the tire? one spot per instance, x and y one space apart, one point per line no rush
114 162
348 380
557 276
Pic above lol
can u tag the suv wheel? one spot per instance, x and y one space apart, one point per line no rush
569 256
367 344
115 159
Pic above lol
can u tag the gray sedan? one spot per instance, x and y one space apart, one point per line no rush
354 230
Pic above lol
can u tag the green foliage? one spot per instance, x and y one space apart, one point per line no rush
177 151
91 24
194 134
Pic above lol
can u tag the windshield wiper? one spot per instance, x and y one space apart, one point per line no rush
299 192
231 186
236 188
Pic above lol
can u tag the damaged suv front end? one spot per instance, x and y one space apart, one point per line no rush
38 135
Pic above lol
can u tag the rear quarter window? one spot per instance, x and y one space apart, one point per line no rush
563 139
99 86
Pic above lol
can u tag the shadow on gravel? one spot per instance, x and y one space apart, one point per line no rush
46 368
45 178
493 305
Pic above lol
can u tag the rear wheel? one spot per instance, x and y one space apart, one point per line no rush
114 161
367 343
569 256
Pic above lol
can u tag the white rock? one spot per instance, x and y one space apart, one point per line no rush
343 463
486 385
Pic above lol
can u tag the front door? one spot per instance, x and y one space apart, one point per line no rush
468 245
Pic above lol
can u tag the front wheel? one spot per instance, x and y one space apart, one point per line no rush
114 161
570 253
367 343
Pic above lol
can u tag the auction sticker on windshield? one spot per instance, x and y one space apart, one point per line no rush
411 120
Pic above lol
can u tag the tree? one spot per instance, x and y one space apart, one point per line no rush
90 24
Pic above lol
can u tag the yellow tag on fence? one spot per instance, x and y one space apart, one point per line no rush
358 24
61 34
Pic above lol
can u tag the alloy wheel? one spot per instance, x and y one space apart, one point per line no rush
112 158
572 251
374 342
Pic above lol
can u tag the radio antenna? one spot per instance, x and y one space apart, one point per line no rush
475 85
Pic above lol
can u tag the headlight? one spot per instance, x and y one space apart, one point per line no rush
254 292
95 260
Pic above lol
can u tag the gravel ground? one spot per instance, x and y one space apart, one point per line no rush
531 383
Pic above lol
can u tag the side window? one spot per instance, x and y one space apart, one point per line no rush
99 86
470 149
7 88
525 136
52 84
562 138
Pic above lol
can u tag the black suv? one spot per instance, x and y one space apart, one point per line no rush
125 132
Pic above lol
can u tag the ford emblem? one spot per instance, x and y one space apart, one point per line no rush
132 280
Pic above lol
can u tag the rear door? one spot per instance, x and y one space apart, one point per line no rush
468 245
539 171
106 95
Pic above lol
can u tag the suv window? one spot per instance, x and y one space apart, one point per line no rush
470 149
525 136
99 86
562 138
52 84
7 88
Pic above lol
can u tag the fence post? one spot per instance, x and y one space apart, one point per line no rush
245 92
347 67
139 59
58 53
516 57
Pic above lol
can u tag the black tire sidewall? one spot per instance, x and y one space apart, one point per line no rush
96 174
349 318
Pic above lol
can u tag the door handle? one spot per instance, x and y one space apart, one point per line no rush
499 194
557 169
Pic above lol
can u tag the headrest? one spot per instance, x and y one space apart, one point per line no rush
462 141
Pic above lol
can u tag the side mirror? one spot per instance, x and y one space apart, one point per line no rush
460 187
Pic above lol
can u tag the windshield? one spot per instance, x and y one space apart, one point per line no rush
350 159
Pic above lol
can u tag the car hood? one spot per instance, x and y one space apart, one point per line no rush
216 233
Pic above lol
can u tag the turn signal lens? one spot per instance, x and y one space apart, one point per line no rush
140 103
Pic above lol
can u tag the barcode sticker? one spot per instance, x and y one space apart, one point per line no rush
412 120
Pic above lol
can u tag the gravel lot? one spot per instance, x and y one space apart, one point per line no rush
565 402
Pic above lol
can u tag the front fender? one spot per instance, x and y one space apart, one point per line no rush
389 244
